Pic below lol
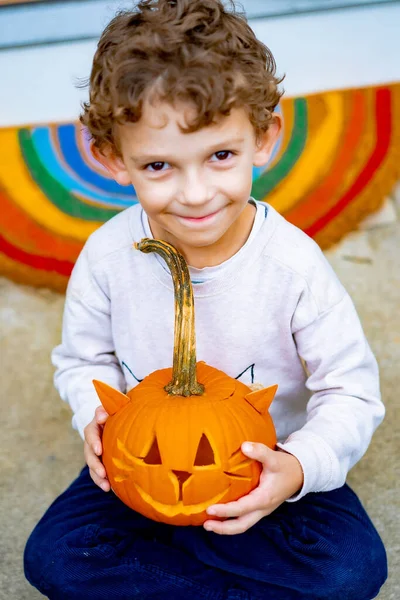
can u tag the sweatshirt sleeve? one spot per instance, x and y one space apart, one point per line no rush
345 407
86 351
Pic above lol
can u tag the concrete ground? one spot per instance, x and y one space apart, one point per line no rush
40 454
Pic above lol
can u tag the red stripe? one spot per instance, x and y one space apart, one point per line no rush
383 111
25 233
42 263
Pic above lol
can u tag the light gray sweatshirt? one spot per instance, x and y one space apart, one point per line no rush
273 313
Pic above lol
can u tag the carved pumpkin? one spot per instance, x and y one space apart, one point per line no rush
172 444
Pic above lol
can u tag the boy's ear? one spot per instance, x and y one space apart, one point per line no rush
266 141
113 163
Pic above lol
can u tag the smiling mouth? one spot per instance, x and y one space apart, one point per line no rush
198 219
173 510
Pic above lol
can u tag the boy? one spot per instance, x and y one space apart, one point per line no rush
182 99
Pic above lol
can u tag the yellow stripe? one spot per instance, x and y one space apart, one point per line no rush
20 187
315 159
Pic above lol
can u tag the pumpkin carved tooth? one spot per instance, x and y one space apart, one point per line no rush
172 444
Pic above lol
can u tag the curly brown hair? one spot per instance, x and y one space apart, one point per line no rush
195 51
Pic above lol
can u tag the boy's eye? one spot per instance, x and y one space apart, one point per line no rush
156 166
223 155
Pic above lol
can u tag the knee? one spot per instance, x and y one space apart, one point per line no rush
37 554
49 557
359 571
54 562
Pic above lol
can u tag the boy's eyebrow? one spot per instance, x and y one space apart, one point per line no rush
153 157
224 145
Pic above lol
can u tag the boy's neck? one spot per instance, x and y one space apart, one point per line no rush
228 245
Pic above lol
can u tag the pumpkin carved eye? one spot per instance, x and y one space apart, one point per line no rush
153 457
205 453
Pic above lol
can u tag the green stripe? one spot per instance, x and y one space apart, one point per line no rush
55 192
264 184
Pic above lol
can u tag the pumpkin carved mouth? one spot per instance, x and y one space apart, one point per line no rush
205 461
173 510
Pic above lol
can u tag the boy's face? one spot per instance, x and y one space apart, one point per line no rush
194 187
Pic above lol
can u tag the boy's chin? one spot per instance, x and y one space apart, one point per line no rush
191 238
199 239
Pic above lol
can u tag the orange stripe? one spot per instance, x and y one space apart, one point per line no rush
315 204
25 233
384 133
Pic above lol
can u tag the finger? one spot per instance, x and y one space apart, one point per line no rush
246 504
260 452
234 526
93 462
101 415
104 484
93 438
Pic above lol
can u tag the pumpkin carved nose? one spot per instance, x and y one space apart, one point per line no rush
181 476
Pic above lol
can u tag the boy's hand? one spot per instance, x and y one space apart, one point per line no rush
281 477
93 448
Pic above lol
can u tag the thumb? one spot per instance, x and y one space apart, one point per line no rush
101 415
259 452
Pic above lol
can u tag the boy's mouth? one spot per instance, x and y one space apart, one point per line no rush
199 219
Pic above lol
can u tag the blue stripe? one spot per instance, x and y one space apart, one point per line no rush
72 156
48 157
257 171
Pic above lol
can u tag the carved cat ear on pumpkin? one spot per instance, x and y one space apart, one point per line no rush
261 400
112 400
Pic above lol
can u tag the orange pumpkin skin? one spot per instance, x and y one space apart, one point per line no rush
170 457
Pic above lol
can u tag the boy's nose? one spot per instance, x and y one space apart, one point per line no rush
195 190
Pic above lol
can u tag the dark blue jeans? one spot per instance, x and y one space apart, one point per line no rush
90 546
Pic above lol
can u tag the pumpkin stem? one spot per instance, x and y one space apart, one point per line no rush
184 380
